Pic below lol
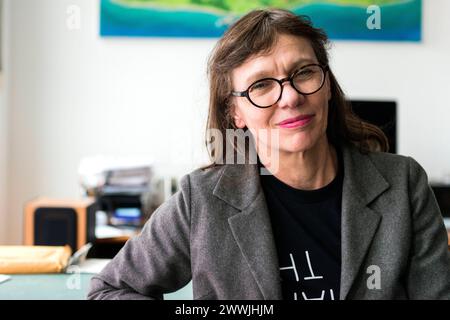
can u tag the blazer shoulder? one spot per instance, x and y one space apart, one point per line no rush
205 178
389 159
394 165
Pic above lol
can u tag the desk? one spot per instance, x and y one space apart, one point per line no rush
62 287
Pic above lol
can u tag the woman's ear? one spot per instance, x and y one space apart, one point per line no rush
237 118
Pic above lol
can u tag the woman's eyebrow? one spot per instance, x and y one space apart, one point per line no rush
264 73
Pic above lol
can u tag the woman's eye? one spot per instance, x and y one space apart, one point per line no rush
305 73
260 85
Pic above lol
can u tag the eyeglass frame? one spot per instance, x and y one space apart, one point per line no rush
280 82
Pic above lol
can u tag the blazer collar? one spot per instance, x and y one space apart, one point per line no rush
239 186
362 184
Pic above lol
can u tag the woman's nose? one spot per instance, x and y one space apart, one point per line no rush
289 96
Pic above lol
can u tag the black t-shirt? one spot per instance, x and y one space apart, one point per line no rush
307 232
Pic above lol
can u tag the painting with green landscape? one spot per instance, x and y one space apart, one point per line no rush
382 20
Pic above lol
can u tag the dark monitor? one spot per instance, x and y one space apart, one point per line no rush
442 194
122 209
382 114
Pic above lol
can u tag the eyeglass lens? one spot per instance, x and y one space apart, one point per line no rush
267 92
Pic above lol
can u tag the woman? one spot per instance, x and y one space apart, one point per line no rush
334 218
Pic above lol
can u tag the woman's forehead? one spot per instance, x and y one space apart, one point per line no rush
287 52
285 46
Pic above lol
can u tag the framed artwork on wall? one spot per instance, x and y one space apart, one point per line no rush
370 20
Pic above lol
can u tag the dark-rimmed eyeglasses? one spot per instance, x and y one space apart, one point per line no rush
266 92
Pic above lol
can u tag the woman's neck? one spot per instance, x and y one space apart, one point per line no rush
307 170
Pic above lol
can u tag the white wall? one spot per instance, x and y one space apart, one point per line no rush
74 94
3 162
4 116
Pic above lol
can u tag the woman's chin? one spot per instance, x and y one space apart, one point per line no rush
298 144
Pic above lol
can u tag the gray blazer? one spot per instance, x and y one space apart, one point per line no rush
216 231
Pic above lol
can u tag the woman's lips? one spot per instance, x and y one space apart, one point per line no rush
300 121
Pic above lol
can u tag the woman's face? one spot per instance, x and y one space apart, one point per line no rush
288 54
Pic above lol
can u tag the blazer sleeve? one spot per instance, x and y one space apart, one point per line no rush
428 275
155 262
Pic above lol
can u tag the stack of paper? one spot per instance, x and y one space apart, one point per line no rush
34 259
108 175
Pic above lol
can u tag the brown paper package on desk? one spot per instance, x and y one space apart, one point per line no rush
34 259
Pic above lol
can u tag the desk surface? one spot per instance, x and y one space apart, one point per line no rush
61 287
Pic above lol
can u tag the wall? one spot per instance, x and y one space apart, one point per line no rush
74 94
4 116
3 162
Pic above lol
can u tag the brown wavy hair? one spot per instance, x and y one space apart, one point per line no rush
256 33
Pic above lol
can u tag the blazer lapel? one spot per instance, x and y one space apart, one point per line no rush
362 184
239 186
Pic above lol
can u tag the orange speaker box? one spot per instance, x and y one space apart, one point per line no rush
54 222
